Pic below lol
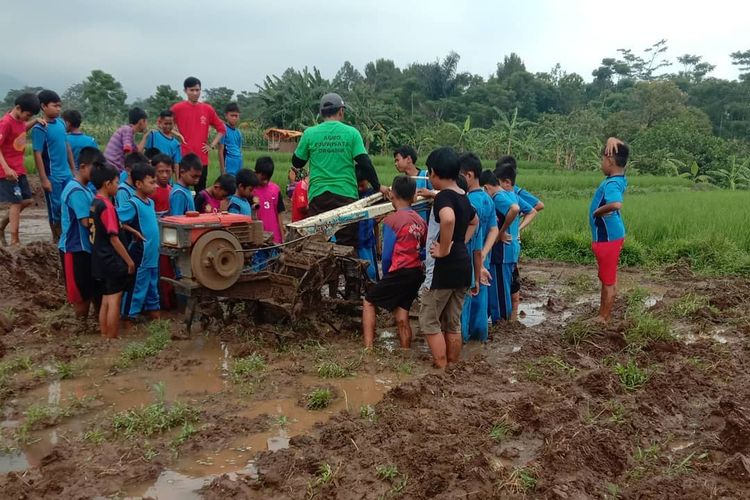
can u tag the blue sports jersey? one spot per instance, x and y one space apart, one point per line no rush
52 142
424 184
77 142
483 204
76 205
181 200
124 192
141 216
366 227
524 195
610 227
169 146
232 142
238 205
507 253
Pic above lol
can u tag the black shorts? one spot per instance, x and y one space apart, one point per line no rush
324 202
110 285
7 190
397 289
515 282
79 284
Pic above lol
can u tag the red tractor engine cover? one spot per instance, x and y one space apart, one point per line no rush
197 223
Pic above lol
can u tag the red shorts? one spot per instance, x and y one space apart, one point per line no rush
607 255
79 285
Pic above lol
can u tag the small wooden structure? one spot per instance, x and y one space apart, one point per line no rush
284 141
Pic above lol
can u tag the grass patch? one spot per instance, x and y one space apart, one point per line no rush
367 412
387 472
405 368
689 304
153 419
631 376
521 480
94 436
580 284
242 368
64 370
646 328
331 369
500 431
684 466
159 337
636 299
319 398
577 331
548 366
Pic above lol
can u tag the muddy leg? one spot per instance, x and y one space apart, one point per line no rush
369 317
608 301
404 328
436 341
515 300
453 342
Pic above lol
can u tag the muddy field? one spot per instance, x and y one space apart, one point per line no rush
657 405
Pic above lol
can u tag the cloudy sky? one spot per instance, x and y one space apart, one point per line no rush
236 43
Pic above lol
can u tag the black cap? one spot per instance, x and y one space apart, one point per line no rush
331 101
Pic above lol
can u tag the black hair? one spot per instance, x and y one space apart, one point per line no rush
91 156
133 158
151 152
247 177
232 107
443 162
167 113
140 171
191 81
461 182
28 102
135 115
48 96
470 163
506 160
72 116
506 173
264 165
621 156
103 172
405 151
162 158
227 183
190 161
404 186
328 112
488 178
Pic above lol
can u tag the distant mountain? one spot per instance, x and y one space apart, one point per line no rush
8 82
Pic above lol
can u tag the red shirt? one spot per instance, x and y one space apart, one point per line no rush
161 199
193 121
12 143
299 200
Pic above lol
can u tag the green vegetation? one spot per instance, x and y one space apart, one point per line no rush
521 480
499 431
153 419
645 328
548 366
319 398
331 369
367 412
631 376
387 472
242 368
689 304
577 331
159 337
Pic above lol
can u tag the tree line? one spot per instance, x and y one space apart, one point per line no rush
679 119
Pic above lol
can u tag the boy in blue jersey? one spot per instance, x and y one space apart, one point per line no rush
405 159
181 198
526 196
52 156
166 140
474 314
74 245
77 139
126 190
230 147
241 201
605 220
504 260
139 215
368 233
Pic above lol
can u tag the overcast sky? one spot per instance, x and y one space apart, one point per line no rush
235 43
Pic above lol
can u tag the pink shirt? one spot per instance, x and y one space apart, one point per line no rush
270 205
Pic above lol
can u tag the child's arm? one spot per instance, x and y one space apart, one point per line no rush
608 208
489 241
142 144
134 232
527 219
442 247
120 249
477 263
37 143
472 228
510 216
71 161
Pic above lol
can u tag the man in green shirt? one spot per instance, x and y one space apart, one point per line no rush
333 148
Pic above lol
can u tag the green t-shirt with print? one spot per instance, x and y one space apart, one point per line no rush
330 149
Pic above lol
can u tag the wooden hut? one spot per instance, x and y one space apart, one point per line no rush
284 141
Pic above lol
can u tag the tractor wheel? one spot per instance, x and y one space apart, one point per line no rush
216 260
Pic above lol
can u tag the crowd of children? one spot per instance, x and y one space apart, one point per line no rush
460 257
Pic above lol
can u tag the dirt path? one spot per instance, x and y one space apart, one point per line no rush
652 406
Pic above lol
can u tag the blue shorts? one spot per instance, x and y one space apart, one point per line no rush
143 296
8 192
504 284
232 165
474 315
368 254
53 199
